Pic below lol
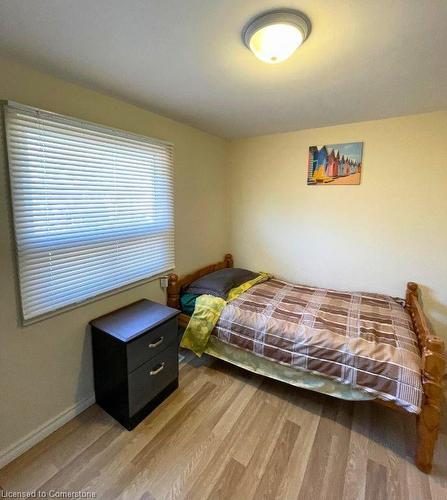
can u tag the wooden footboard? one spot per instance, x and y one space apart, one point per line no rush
175 285
433 366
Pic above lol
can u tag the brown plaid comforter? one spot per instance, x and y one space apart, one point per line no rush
362 339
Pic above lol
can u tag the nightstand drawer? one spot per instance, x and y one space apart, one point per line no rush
149 344
151 378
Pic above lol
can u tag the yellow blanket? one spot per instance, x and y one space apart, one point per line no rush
207 313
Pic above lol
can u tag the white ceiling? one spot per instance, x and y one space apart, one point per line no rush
364 59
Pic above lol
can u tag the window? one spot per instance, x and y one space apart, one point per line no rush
93 208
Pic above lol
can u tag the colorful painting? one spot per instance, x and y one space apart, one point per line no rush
335 164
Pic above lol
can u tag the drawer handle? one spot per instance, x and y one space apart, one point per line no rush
157 343
157 370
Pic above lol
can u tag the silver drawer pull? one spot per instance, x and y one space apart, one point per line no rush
157 343
158 370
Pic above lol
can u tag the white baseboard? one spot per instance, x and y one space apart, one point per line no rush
9 454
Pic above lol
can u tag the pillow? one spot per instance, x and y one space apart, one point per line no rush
220 282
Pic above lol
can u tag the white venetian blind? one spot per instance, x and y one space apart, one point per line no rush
93 208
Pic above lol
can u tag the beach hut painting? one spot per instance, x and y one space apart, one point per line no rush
335 164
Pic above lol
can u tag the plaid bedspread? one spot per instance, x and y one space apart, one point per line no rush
362 339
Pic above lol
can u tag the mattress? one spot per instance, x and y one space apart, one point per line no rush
284 373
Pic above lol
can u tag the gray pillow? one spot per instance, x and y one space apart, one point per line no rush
219 283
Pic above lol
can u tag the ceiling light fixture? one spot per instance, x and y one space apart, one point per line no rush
274 36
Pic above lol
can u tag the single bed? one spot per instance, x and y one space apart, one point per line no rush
378 348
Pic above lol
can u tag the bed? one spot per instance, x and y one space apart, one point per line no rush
417 367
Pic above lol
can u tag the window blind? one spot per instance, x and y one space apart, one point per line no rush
93 208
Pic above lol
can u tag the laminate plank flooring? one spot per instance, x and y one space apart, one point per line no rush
229 434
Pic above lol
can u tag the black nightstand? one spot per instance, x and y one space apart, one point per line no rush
135 358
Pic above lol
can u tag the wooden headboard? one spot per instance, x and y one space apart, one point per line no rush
175 284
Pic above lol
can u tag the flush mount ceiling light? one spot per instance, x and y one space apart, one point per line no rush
273 37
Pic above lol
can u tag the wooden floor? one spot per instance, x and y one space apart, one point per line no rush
229 434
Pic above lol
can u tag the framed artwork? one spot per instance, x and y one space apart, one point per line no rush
335 164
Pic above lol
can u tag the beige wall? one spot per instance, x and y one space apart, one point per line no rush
376 236
46 368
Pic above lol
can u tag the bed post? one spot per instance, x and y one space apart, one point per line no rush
433 366
228 260
173 291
